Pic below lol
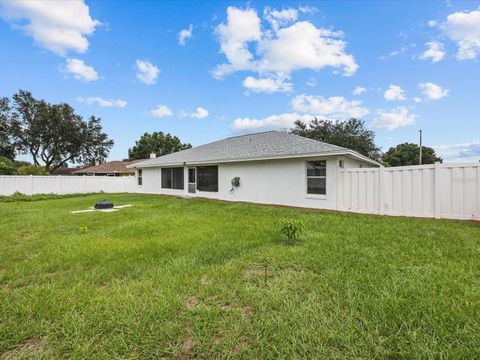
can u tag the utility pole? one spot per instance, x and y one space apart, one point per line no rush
420 158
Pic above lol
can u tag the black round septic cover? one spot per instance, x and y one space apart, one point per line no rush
104 205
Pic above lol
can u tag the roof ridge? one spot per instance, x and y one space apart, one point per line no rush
249 134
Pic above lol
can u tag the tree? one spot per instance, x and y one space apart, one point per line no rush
408 154
54 135
351 134
7 147
158 143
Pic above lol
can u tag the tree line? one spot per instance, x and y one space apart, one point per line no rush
52 134
55 136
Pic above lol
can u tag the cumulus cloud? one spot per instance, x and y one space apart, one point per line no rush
435 51
59 26
394 92
147 73
464 29
288 45
467 151
273 122
335 107
242 27
359 90
200 113
184 35
394 118
161 111
268 85
432 91
304 46
278 18
80 70
102 102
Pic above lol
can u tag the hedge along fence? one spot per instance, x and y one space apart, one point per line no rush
449 191
60 185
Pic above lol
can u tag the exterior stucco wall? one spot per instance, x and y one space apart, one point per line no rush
281 182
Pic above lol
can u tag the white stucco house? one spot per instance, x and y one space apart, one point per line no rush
272 168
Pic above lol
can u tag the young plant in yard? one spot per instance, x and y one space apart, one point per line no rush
292 229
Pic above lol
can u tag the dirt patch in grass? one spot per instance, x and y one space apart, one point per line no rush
28 349
191 302
186 351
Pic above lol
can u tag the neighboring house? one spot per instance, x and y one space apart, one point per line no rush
111 168
65 171
272 167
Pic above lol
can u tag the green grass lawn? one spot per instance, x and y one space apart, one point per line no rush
176 278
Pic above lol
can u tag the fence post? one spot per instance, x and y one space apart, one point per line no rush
381 190
31 184
437 192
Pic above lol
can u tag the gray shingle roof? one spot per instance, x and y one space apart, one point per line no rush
271 144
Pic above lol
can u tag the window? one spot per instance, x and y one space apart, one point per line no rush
207 178
317 177
139 178
172 178
340 164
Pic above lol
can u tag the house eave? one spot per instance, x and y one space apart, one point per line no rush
305 155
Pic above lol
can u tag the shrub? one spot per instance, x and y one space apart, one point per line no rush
292 229
7 169
32 170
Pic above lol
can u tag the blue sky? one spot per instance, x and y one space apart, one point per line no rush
208 70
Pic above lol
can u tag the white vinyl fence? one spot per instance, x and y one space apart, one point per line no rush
30 185
450 191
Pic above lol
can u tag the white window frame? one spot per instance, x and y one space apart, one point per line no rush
139 177
306 177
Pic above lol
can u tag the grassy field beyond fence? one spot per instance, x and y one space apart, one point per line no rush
177 278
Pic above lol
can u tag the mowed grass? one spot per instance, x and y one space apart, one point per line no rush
176 278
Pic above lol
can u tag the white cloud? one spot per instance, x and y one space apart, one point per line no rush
278 18
464 29
432 91
80 70
393 53
59 26
307 9
394 92
273 122
243 26
311 82
268 85
359 90
394 118
184 35
435 51
102 102
432 23
200 113
335 107
304 46
280 50
161 111
466 152
417 99
147 72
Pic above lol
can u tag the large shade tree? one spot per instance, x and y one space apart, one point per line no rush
53 134
351 134
7 146
409 154
157 143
